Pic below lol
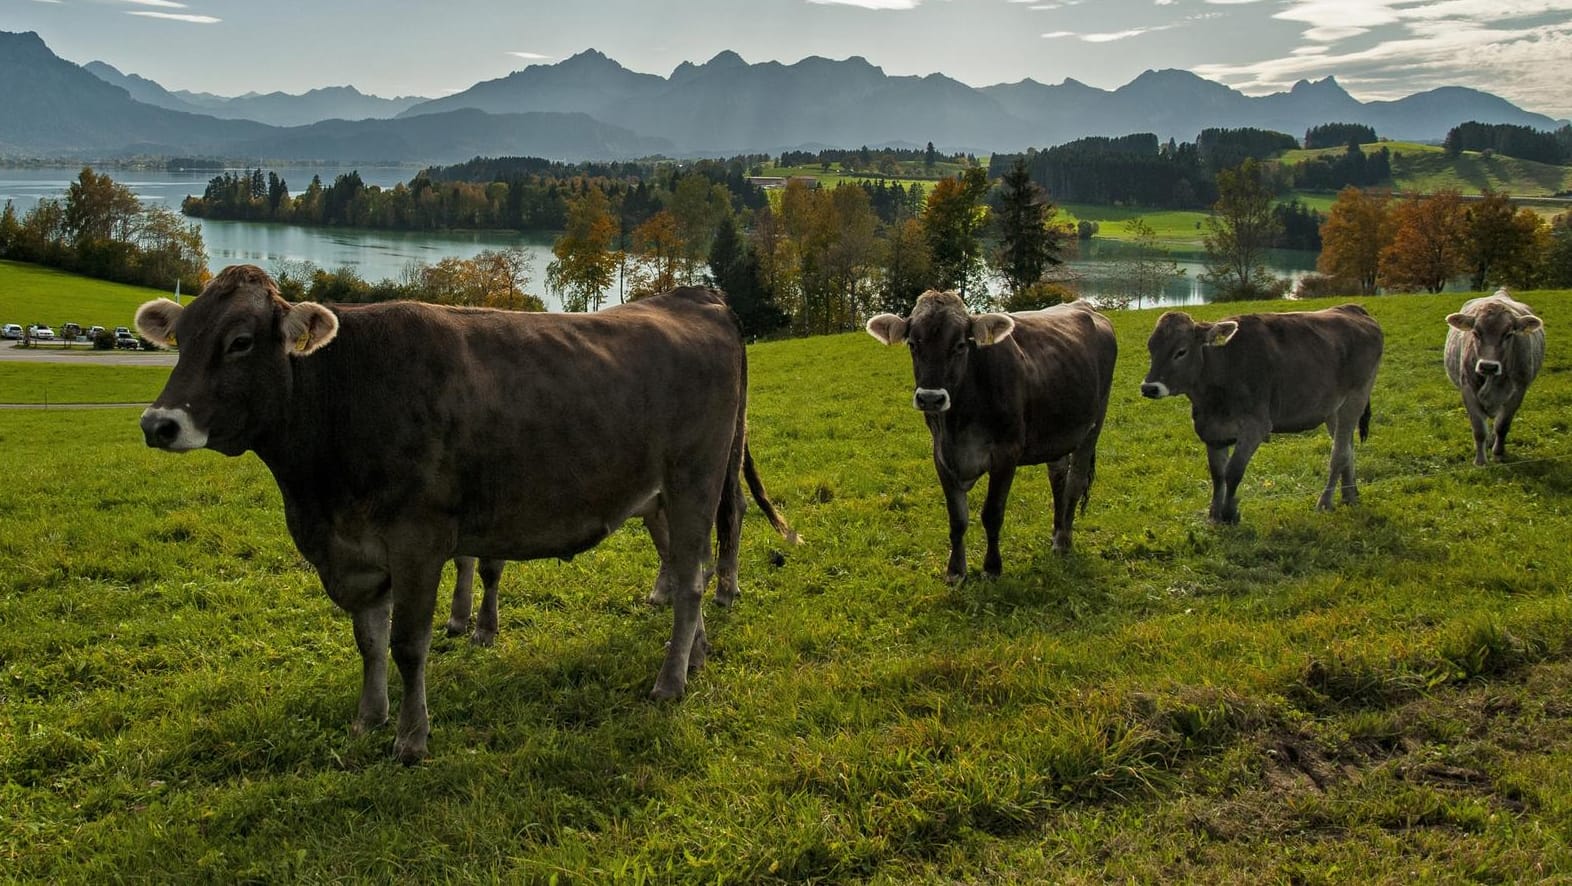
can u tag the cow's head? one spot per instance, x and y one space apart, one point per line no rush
232 380
1177 349
1492 326
941 336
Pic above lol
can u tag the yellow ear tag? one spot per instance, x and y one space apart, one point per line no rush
305 338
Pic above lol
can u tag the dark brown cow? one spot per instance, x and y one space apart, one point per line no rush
1250 376
1003 390
402 435
486 622
1494 348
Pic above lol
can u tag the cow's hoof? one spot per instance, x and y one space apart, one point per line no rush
409 752
726 593
483 638
667 693
954 578
361 726
457 629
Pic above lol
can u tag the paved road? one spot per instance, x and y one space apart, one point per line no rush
9 351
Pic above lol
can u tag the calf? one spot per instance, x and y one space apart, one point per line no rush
1255 374
1494 348
1003 390
403 435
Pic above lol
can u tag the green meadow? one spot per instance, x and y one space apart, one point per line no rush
36 294
1377 694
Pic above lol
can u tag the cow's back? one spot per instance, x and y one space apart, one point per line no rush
537 434
1295 367
1065 357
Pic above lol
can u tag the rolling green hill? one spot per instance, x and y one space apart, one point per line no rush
35 294
1424 168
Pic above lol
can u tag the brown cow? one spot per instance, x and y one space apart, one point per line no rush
402 435
1250 376
1003 390
1494 348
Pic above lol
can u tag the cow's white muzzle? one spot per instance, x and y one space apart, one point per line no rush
171 429
931 399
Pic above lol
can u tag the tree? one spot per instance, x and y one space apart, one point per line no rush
657 256
907 267
1028 240
586 263
1500 241
696 206
1143 269
953 219
1557 269
99 208
1427 248
1238 233
734 267
1357 228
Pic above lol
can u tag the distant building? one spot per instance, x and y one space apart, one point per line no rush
772 182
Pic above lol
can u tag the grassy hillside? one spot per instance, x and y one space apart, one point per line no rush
36 294
1425 168
1375 694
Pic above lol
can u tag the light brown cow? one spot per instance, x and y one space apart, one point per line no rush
402 435
1494 348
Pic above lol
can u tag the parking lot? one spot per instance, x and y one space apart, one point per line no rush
55 352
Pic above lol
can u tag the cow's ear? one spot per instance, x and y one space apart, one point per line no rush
990 329
1460 322
887 328
308 327
1221 333
1529 323
155 321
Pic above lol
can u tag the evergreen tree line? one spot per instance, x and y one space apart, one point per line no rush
100 229
1337 135
872 160
1333 172
1522 142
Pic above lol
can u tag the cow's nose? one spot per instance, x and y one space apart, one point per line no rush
1488 367
931 399
159 431
1152 390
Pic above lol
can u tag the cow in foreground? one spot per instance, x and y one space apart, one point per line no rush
487 621
402 435
1250 376
1003 390
1494 348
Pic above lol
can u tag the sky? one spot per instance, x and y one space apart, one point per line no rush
1520 50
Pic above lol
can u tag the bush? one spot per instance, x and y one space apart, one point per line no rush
1038 296
104 340
1255 290
1325 285
1086 230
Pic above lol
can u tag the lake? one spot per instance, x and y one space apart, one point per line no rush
376 255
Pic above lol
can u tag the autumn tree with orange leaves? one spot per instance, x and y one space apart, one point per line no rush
1357 229
1428 243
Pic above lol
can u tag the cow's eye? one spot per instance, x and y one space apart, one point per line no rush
240 345
1180 353
959 346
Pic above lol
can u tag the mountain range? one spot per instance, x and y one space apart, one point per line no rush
590 107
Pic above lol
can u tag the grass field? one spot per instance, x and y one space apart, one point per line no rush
1378 694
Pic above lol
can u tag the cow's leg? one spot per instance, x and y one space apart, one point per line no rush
1217 466
1059 484
687 548
463 595
1503 423
1078 479
655 523
956 506
414 597
1476 420
1233 473
487 623
1340 470
371 638
728 533
999 481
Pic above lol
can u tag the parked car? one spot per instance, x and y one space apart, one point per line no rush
41 332
124 340
11 330
93 332
71 331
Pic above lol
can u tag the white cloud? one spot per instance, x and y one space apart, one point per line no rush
532 56
1334 33
871 4
1122 35
1054 35
165 4
178 17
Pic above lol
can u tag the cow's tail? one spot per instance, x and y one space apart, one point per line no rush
1091 474
1364 423
728 514
756 486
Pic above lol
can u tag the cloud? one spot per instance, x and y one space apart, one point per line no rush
532 56
178 17
1111 36
165 4
870 4
1054 35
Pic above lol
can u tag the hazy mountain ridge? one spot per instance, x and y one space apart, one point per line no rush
590 107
